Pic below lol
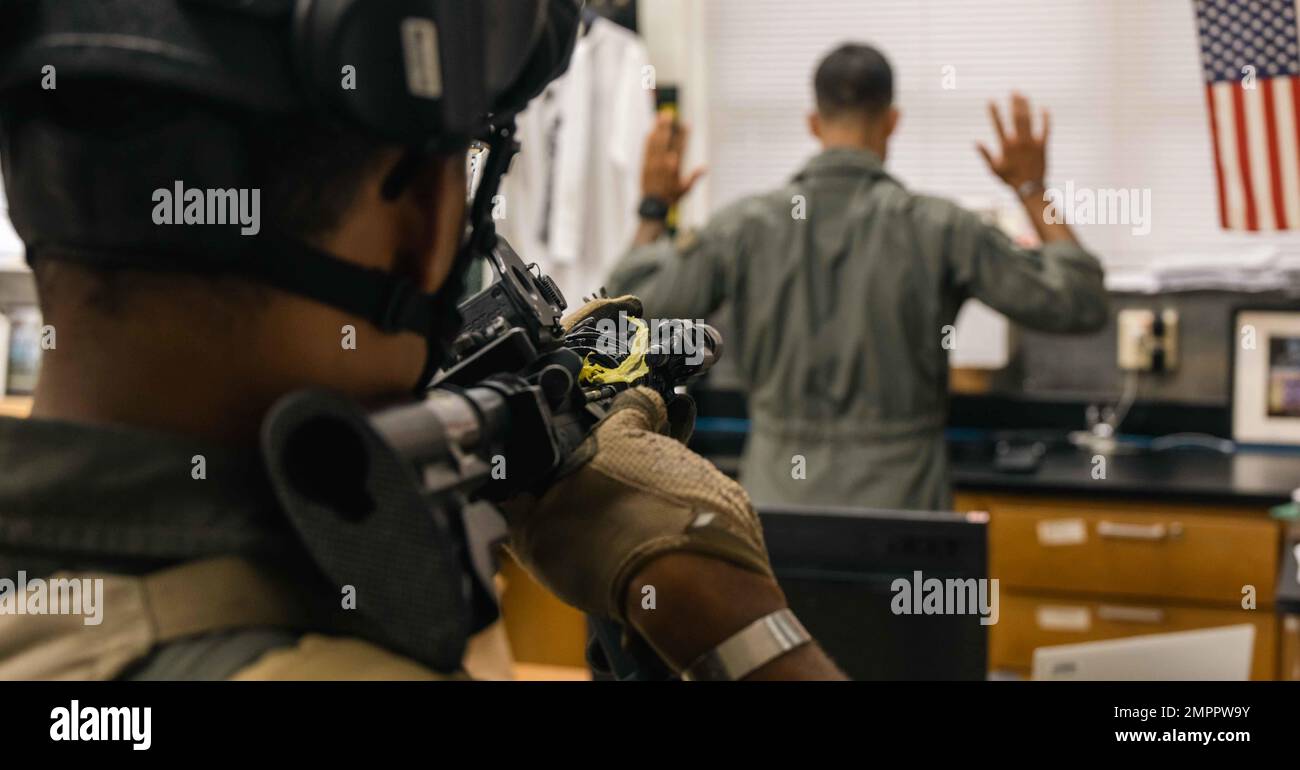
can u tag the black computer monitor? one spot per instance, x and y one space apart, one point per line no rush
844 572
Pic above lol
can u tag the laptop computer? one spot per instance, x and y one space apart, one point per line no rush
1213 654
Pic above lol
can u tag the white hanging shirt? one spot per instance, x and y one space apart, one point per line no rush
571 198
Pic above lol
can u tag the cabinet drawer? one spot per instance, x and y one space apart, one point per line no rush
1028 622
1128 551
1290 649
963 502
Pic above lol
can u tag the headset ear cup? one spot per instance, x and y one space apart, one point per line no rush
12 10
299 46
549 57
309 40
320 37
372 35
415 66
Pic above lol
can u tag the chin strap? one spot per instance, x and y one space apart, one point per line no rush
480 241
502 149
394 303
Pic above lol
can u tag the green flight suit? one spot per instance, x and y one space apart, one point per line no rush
840 285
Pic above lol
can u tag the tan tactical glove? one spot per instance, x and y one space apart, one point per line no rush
630 495
603 307
681 410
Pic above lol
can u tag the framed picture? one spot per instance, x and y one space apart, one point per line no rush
24 355
1266 377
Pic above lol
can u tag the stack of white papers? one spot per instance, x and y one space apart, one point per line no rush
1254 269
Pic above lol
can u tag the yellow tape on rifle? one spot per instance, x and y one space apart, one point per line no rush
631 370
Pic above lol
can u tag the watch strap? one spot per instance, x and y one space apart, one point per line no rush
653 208
1031 189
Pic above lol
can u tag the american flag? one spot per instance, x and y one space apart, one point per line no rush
1250 54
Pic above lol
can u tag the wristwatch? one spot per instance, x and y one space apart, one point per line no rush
1030 189
753 647
654 209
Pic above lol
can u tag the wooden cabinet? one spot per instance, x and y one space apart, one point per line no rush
541 628
1076 570
1290 643
1133 550
1028 621
14 406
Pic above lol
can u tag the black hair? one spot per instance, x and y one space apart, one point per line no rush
855 78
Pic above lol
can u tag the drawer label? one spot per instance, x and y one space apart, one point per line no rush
1062 532
1060 618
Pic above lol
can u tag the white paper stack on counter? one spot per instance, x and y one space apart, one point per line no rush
1250 269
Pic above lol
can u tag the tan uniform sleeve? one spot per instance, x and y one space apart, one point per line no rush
1056 288
327 658
316 657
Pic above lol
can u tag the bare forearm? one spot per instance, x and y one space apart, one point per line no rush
1049 231
701 602
648 232
1022 164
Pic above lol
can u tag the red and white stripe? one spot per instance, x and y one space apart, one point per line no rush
1256 134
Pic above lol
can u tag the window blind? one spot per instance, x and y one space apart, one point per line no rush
1122 80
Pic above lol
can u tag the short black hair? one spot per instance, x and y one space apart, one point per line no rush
855 78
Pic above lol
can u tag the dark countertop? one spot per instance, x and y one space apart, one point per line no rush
1259 476
1246 477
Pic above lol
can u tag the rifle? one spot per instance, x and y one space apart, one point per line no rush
521 394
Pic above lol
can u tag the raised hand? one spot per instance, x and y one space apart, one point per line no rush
1022 158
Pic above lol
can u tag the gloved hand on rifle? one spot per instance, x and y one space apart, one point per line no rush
629 495
638 528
